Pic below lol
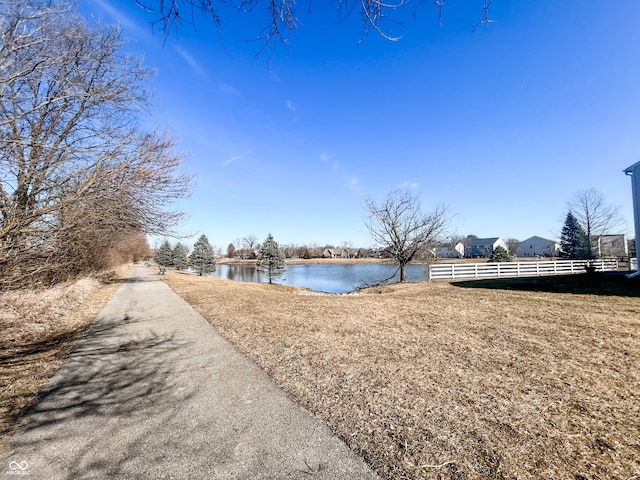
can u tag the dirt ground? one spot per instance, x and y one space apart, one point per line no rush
436 381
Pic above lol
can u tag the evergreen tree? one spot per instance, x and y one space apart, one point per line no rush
203 259
271 261
164 255
574 242
179 256
501 254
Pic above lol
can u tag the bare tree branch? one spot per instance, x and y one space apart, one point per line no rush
398 225
76 172
596 216
282 17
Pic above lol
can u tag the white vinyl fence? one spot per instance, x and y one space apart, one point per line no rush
451 271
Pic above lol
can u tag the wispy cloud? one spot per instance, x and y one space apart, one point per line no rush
191 61
228 88
233 159
354 184
291 106
273 75
124 21
413 185
325 157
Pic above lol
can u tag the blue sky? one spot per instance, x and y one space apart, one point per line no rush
503 124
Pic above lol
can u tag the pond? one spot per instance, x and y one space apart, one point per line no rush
330 278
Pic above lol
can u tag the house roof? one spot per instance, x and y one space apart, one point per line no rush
484 241
535 237
629 170
609 235
450 245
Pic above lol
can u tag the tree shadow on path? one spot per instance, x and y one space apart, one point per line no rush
116 379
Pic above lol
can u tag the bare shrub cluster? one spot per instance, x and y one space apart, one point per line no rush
80 181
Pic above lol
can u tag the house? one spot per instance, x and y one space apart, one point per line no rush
331 253
538 247
634 172
341 253
609 246
484 247
246 254
450 250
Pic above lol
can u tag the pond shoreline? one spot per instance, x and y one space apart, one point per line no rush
328 277
355 261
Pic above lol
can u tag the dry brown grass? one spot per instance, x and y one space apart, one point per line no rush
439 382
37 330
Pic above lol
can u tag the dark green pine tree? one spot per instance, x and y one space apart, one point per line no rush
164 255
202 259
271 262
180 256
574 242
501 254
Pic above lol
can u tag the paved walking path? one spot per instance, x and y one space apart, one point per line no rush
152 391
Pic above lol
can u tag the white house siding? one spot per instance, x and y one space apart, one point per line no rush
450 251
610 246
538 247
484 247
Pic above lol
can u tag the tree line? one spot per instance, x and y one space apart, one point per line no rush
270 257
402 231
81 182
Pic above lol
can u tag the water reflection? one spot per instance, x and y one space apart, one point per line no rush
239 273
332 278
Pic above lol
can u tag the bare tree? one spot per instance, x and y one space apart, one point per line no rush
513 244
400 227
250 241
596 216
282 18
76 172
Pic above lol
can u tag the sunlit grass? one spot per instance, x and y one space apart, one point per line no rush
436 381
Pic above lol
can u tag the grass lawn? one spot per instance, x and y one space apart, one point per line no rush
433 380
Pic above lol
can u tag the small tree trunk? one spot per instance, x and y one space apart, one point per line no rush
403 276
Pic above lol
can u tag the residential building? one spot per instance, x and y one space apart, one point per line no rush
450 250
609 246
538 247
484 247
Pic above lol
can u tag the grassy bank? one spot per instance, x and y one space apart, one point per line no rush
436 381
37 330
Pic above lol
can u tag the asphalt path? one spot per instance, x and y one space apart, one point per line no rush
152 391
